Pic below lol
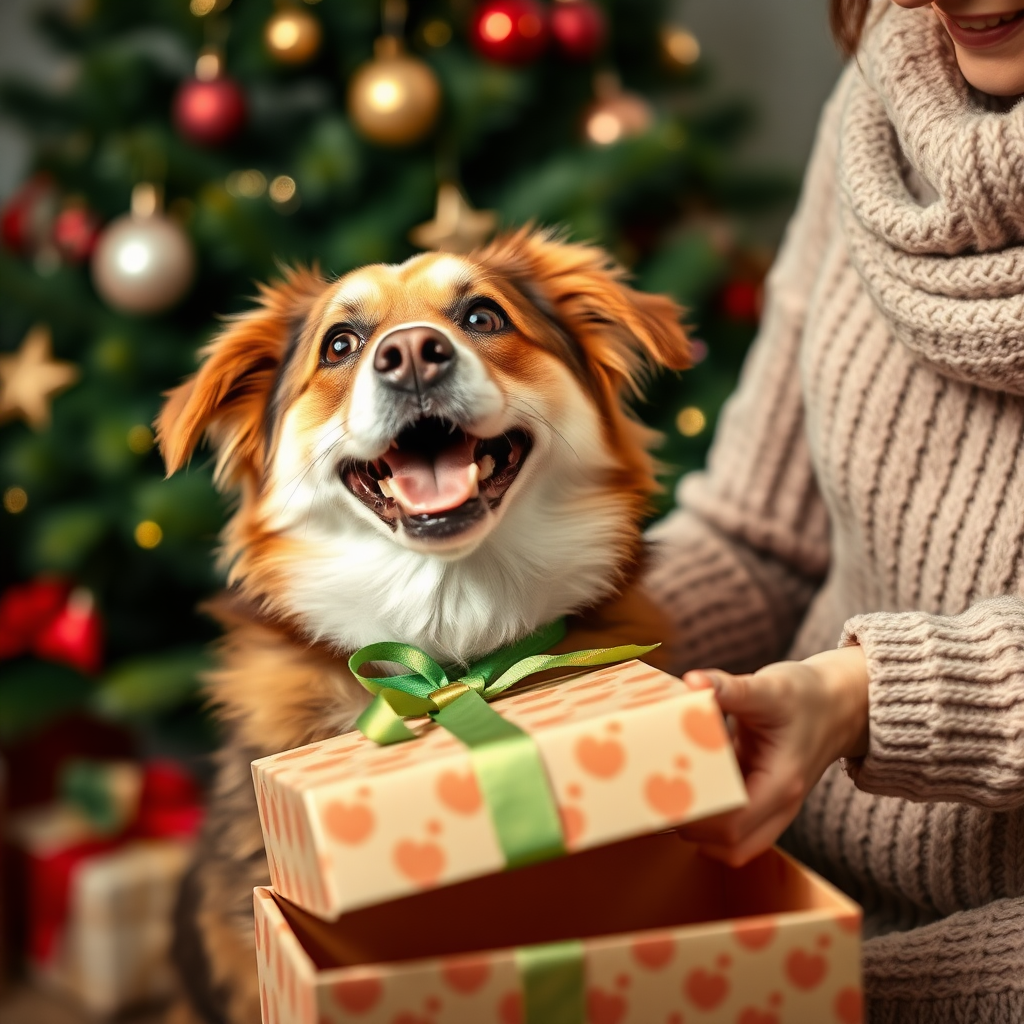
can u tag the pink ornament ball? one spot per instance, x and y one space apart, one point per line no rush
209 113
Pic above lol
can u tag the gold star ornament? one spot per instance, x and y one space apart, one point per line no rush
456 226
30 377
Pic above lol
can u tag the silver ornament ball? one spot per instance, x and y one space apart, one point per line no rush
143 264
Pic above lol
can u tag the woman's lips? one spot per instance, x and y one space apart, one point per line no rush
982 38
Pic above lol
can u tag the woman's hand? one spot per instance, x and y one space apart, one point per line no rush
792 720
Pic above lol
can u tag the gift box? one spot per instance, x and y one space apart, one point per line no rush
115 949
100 872
99 908
624 751
50 842
647 931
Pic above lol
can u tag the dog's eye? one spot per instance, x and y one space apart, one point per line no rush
339 344
485 319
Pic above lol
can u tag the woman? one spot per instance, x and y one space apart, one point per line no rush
866 487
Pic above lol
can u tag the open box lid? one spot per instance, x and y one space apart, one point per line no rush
627 750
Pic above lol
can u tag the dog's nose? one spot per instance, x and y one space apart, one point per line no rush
413 358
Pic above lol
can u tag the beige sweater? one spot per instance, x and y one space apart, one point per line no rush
867 483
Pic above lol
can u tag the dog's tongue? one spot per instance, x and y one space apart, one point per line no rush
422 484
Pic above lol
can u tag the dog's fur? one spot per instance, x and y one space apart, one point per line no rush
314 572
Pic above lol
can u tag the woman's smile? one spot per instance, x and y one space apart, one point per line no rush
982 30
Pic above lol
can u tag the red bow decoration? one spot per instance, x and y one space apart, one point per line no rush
48 618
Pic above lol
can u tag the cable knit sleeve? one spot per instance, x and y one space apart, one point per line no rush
967 967
946 704
737 564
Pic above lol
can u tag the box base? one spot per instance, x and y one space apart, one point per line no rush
667 936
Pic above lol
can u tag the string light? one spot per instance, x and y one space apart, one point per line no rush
148 534
437 33
248 184
682 48
15 500
140 439
282 189
691 421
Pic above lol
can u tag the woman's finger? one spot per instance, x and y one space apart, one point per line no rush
755 843
770 792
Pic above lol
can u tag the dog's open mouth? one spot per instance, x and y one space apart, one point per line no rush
438 479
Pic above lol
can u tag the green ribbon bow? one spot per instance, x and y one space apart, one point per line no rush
506 761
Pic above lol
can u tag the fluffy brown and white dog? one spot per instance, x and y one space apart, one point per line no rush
436 452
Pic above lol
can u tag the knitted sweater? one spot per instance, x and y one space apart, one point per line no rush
866 484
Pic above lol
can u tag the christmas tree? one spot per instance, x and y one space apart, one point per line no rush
202 144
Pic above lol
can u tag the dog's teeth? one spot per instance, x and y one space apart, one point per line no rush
385 488
486 467
513 457
451 428
474 480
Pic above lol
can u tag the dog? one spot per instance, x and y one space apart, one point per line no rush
437 452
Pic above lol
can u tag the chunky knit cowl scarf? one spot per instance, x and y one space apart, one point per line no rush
932 198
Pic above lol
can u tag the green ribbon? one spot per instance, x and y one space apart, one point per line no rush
552 979
506 761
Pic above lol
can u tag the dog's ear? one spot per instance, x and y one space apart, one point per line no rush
227 398
584 292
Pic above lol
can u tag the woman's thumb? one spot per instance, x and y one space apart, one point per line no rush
734 693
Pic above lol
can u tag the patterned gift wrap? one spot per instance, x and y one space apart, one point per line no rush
627 751
646 931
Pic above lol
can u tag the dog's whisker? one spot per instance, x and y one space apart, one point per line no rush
343 426
309 509
538 418
314 462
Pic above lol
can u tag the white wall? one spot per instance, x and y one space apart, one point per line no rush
779 54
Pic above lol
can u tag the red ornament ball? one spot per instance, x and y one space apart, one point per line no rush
510 31
579 28
75 232
209 113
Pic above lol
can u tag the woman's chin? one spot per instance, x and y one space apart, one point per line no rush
995 76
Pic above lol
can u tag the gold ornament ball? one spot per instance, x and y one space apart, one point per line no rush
292 36
394 99
618 117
